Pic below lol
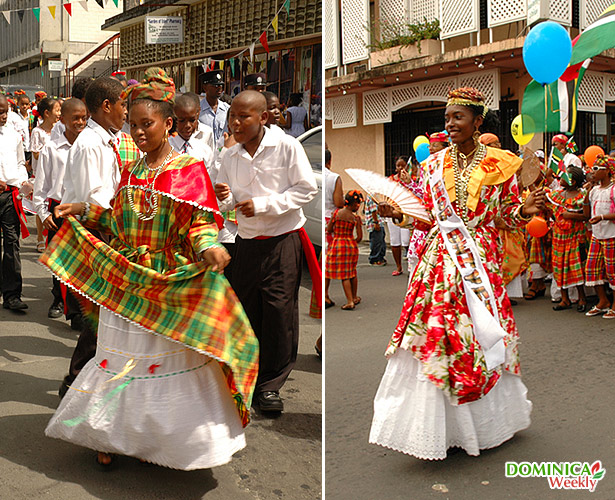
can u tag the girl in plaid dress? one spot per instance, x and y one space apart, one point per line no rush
343 254
569 238
176 360
600 209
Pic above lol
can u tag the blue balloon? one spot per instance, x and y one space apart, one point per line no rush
422 152
546 52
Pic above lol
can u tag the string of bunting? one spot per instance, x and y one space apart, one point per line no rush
52 9
210 64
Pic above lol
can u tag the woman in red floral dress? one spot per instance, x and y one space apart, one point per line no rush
441 388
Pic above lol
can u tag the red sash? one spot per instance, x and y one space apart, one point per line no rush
20 213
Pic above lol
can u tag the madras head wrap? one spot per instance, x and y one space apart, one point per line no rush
467 96
488 138
40 94
156 86
606 161
19 92
438 137
561 138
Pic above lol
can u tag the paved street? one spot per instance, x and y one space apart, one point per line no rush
282 459
566 361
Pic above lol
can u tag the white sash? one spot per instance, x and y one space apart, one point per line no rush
464 252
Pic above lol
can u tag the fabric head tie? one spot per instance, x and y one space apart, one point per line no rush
438 137
488 138
605 161
467 96
156 86
561 138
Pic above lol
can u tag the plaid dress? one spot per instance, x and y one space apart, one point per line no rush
569 238
343 253
203 356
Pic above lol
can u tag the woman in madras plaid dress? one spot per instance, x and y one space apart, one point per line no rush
343 253
176 361
569 235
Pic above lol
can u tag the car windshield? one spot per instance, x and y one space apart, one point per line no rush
313 149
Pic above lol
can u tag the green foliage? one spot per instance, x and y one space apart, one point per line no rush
403 33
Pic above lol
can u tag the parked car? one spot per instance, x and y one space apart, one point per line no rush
312 144
30 90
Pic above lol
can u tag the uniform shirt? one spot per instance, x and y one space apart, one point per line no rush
278 179
21 125
49 180
12 162
216 121
57 131
92 171
199 146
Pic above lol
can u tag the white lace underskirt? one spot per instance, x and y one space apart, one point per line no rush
413 416
514 289
177 411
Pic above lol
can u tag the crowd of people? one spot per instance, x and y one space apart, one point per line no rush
156 208
453 376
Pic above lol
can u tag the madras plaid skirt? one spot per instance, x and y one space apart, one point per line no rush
600 265
342 258
566 258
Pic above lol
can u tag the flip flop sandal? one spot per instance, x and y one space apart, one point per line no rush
594 311
610 314
329 304
397 273
357 301
348 307
532 294
561 307
40 247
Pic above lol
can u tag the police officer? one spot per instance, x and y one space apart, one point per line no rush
213 110
256 81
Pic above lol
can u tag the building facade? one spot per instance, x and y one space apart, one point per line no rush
384 98
215 32
25 42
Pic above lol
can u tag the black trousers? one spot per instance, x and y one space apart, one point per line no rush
266 278
72 306
10 261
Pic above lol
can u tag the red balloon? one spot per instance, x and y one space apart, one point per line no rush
537 227
591 153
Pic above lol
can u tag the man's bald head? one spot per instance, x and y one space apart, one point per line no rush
251 100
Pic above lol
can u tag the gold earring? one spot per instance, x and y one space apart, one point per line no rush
475 136
166 136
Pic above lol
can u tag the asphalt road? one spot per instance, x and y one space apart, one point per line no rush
566 362
282 458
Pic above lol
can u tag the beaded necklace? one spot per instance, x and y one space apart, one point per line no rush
462 176
149 197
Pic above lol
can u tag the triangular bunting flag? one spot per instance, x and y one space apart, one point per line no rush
7 15
287 6
101 3
69 8
115 2
263 40
84 5
37 13
20 14
231 61
274 23
52 10
252 51
221 64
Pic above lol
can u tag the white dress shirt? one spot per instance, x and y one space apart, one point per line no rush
278 179
12 162
199 146
57 131
49 180
21 125
92 173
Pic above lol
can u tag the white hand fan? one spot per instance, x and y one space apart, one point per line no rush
384 190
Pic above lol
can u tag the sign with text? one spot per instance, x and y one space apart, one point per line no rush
56 65
164 29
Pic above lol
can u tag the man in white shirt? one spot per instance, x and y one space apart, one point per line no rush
13 175
48 188
213 110
267 179
193 137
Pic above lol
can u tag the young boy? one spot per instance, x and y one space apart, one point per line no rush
267 179
192 137
48 188
273 112
93 171
13 175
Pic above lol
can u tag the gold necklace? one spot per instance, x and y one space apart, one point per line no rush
149 196
462 176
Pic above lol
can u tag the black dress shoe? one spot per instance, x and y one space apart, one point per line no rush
14 304
56 310
270 401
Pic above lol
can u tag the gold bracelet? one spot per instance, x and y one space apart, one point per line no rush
523 217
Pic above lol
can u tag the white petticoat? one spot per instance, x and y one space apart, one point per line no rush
413 416
179 414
